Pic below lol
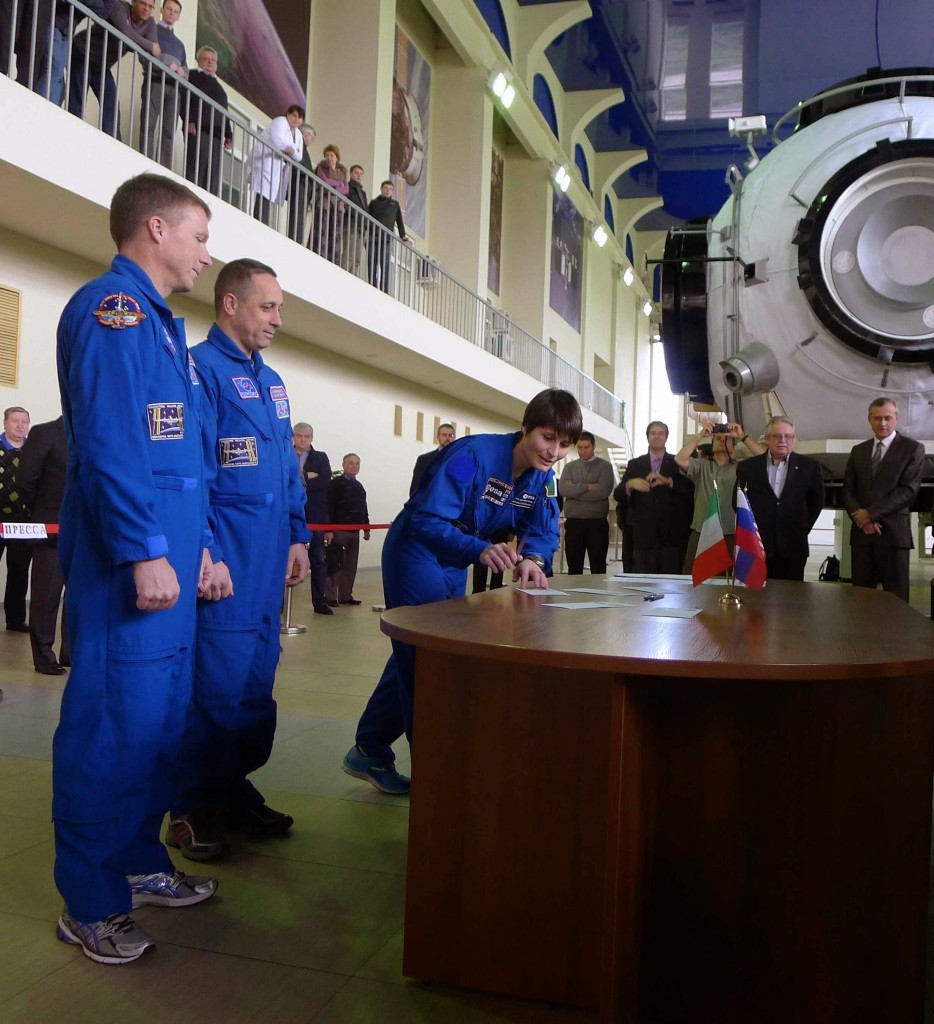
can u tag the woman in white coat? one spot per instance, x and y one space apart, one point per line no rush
269 173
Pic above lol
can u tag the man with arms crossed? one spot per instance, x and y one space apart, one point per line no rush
586 485
132 545
882 480
257 512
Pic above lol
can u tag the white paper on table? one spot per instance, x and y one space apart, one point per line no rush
672 613
610 593
541 591
580 606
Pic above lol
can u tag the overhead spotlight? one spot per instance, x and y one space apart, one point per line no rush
647 308
561 177
502 88
599 235
628 276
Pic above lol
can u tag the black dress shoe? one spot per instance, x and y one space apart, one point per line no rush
332 604
322 609
17 627
50 668
259 821
351 600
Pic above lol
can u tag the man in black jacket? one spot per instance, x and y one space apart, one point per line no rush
41 480
446 434
209 132
346 504
659 502
388 212
315 469
786 494
881 482
355 224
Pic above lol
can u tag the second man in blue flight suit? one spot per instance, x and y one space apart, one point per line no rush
257 512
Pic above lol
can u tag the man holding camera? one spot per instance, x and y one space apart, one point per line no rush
719 470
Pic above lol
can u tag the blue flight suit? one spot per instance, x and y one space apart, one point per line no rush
135 491
257 509
466 495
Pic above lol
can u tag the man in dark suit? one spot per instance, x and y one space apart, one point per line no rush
659 503
786 494
445 436
315 469
882 480
346 504
41 479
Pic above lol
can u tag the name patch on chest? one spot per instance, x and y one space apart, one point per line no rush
524 499
280 396
496 491
234 452
166 421
246 388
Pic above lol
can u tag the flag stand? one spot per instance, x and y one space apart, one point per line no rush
731 600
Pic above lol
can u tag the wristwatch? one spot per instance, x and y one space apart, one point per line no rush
537 559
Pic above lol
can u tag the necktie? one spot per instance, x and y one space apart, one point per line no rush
876 459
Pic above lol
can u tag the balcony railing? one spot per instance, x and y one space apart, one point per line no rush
72 51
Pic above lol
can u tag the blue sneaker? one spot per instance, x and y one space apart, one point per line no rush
116 940
170 890
381 774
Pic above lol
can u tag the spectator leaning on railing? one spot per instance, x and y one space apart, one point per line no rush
269 175
207 126
326 228
98 51
161 105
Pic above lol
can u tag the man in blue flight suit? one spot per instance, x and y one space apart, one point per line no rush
258 518
133 547
474 487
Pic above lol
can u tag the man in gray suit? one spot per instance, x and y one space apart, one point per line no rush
882 480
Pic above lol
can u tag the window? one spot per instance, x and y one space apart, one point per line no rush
726 66
674 91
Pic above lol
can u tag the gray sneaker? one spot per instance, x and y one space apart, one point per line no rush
116 940
170 890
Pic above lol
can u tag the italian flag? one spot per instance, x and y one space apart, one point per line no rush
712 556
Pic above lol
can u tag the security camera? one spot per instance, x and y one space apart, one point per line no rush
740 126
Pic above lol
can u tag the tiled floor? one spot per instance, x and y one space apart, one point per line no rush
307 928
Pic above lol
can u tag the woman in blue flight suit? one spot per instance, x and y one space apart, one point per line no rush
475 487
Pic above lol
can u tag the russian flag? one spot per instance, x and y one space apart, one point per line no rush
748 553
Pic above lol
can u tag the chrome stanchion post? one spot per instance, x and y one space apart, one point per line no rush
287 629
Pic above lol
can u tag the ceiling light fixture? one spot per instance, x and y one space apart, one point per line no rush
599 235
502 88
628 276
561 177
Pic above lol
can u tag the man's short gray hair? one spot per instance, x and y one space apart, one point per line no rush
302 426
778 419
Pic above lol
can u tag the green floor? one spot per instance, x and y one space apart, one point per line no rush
307 928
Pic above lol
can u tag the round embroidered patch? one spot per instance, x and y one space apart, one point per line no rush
119 311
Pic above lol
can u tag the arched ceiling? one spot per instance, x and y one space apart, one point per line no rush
783 51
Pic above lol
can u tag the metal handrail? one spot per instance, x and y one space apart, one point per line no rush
336 229
840 90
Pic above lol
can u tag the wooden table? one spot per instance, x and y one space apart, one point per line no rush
717 820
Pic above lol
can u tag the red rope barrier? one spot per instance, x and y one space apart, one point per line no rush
39 531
